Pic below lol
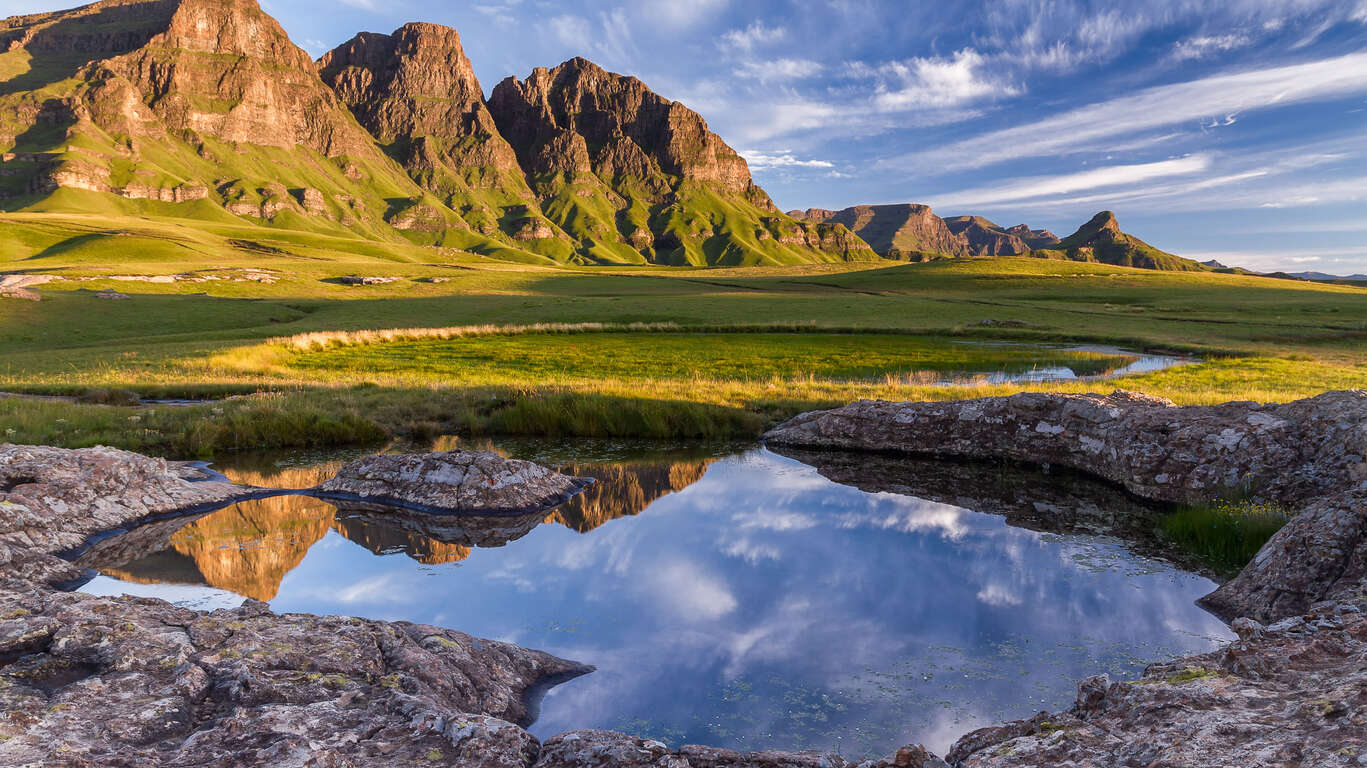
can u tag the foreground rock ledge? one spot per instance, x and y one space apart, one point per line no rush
1310 455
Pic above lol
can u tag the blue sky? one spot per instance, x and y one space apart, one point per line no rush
1234 130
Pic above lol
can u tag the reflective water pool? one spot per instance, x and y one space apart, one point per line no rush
749 600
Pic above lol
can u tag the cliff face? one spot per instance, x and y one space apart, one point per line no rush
416 92
636 177
207 103
907 231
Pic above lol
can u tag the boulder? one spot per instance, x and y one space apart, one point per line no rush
122 681
354 280
454 481
54 499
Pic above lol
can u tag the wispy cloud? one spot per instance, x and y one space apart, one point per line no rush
1051 186
1089 128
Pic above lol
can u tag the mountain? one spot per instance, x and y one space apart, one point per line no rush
1323 277
913 232
204 110
906 231
635 177
984 238
1101 240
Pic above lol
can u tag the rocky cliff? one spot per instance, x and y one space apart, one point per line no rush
208 106
416 92
982 237
913 232
906 231
636 177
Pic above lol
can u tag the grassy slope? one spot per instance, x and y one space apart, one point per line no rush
172 338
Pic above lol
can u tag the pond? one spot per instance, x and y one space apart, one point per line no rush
738 598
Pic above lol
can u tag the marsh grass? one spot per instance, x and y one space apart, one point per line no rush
1224 535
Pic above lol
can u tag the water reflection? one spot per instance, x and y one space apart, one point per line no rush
758 602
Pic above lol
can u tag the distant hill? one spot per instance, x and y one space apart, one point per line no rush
913 232
205 110
1322 277
1101 240
984 238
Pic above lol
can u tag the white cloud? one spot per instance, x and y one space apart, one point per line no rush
753 35
1203 46
778 69
781 159
937 82
609 39
1089 127
1048 186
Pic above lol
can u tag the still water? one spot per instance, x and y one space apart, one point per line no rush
742 599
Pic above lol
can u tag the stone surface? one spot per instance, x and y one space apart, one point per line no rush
53 499
133 682
1309 455
1289 453
465 481
1294 694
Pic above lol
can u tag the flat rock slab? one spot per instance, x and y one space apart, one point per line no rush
454 481
95 681
1290 453
54 499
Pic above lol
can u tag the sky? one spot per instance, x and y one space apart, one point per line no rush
1232 130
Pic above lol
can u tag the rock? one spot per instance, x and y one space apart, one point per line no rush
1288 453
434 280
464 481
55 499
354 280
1295 696
608 749
1321 554
121 681
112 295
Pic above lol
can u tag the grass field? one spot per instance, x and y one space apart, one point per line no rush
675 352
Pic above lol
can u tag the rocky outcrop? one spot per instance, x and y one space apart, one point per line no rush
55 499
895 231
1289 453
121 681
579 105
604 749
416 92
983 238
634 177
1292 694
17 286
1310 455
454 481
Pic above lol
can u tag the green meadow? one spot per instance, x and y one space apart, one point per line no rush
460 343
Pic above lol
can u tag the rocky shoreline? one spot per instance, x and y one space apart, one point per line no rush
97 681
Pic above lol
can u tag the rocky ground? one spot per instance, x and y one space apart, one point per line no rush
88 681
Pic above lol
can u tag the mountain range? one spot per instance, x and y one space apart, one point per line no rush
205 110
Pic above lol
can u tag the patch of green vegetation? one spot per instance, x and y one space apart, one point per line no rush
1192 674
1224 535
742 357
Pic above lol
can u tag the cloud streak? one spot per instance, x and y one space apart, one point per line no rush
1159 107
